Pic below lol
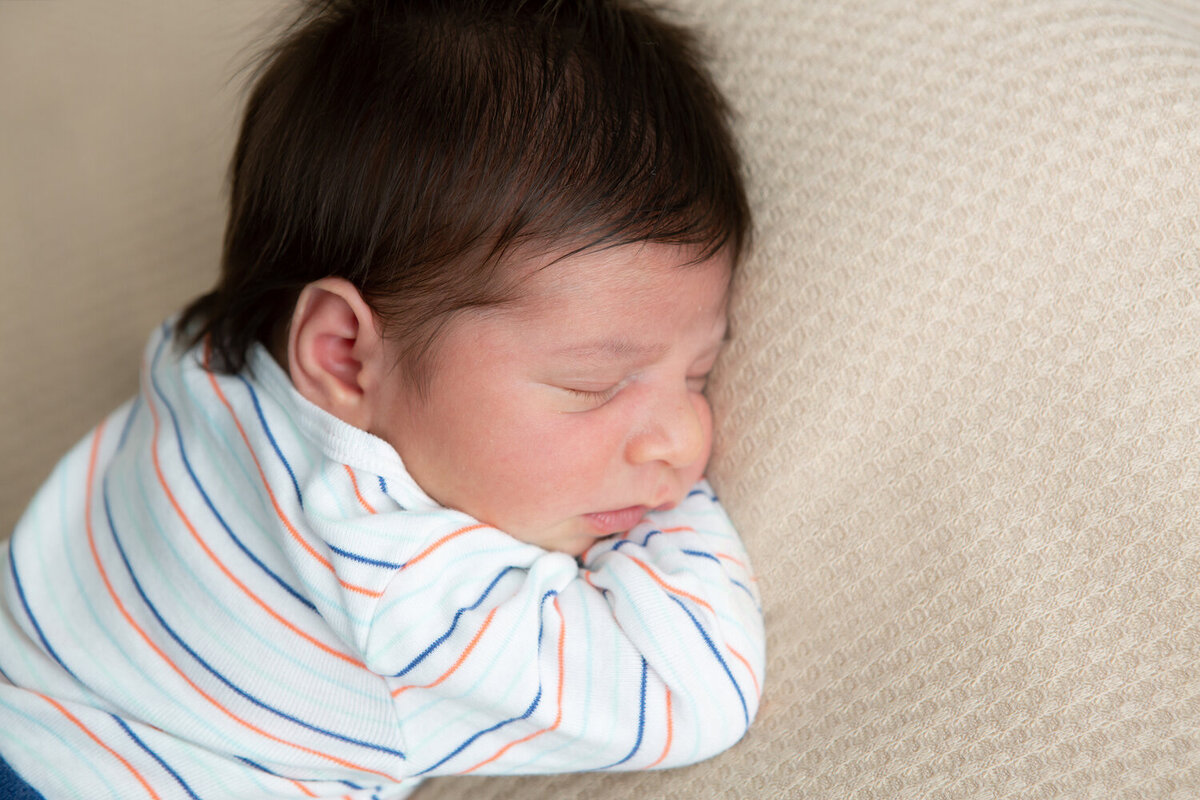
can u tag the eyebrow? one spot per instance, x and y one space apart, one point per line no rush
615 349
619 349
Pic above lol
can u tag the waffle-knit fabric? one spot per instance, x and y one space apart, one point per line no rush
958 421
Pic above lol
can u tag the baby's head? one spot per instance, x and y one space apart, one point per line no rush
499 235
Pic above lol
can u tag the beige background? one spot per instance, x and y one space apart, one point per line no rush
959 424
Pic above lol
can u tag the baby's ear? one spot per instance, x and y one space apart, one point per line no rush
334 349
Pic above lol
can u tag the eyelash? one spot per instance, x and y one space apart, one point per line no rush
599 398
697 384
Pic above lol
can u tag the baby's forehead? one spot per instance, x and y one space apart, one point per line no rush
633 269
625 303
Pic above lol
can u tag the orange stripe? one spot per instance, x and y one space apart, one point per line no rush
220 565
562 638
680 528
354 482
753 677
287 523
91 474
587 576
670 732
441 542
301 787
730 558
158 651
97 740
458 663
727 557
671 588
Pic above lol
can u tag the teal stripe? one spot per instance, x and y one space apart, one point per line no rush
488 693
652 635
197 622
585 759
80 758
122 692
396 610
230 493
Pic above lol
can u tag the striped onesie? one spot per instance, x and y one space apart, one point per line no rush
225 592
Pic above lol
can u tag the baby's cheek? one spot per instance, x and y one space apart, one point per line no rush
704 414
704 410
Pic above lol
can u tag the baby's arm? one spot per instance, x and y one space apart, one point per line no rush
648 655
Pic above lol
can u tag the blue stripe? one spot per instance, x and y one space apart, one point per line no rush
261 768
155 756
374 562
651 535
12 559
262 419
275 774
737 583
257 766
454 624
645 541
648 537
384 488
637 745
208 501
280 775
134 408
271 437
746 589
178 640
12 564
528 712
171 632
717 653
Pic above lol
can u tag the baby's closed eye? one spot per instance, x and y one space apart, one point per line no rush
594 394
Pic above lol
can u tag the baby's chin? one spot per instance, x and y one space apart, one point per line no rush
572 537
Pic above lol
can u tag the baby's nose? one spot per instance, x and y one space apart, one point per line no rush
678 434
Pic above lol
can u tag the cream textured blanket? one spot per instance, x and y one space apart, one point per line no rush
959 425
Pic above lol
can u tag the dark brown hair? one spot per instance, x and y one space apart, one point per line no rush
408 145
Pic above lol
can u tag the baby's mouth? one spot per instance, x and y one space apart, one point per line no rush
620 520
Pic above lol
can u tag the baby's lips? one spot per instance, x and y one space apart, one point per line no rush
616 521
